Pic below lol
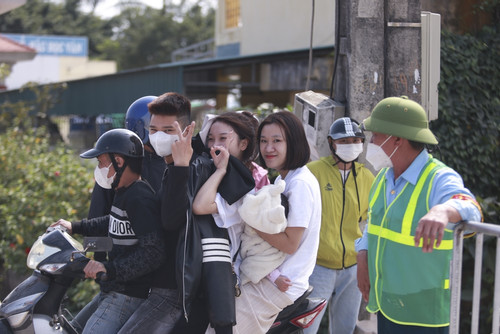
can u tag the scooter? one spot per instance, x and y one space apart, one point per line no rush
301 314
57 259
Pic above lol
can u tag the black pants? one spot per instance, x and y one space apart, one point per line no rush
385 326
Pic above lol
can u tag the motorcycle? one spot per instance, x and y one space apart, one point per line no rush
57 259
301 314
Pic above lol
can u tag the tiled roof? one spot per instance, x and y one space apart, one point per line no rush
8 5
9 46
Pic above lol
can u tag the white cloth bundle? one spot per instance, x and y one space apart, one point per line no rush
264 212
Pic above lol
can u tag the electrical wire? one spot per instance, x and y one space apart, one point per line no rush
309 69
337 42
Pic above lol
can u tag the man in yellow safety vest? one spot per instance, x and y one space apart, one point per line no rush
404 255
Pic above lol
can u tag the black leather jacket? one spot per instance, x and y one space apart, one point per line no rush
197 272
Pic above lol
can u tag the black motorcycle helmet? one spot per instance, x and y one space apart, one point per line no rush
118 141
345 127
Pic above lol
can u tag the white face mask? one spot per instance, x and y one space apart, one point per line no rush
377 157
162 143
101 177
349 152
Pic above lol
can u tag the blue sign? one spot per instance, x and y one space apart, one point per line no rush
54 45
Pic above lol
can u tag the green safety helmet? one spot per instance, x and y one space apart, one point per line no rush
400 117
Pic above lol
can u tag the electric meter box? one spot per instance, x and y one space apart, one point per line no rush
317 112
431 63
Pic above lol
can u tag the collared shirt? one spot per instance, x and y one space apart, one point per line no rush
446 183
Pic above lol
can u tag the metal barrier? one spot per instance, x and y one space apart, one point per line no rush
201 50
456 275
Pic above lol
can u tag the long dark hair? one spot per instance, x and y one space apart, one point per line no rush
245 125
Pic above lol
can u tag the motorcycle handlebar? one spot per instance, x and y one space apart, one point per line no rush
101 276
57 227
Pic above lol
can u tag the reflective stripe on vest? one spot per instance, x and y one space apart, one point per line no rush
408 286
405 237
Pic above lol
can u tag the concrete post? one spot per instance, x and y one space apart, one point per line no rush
403 44
380 53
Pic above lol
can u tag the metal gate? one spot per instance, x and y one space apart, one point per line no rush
456 275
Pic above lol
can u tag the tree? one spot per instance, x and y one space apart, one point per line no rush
468 130
144 37
45 182
147 36
138 36
46 18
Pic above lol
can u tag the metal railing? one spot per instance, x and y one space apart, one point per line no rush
456 275
201 50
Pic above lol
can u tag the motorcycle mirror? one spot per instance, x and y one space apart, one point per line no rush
97 244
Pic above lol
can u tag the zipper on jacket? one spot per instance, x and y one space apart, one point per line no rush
342 218
183 269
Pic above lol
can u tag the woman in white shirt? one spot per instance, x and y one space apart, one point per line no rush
283 147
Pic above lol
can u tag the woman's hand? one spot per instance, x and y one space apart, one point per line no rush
204 202
221 158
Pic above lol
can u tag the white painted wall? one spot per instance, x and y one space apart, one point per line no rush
72 68
42 69
278 25
45 69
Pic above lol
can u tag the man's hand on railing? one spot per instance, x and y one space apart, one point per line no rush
431 226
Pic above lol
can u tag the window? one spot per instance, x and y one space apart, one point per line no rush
232 13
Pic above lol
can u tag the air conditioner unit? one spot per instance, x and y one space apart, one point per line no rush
317 112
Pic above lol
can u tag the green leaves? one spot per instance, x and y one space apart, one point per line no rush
40 184
469 108
138 36
468 133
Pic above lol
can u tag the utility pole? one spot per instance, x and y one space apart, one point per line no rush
379 53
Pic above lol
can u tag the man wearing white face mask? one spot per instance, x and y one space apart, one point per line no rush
137 120
169 113
134 226
404 255
344 185
175 289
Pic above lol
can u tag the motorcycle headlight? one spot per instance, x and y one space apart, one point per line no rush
39 252
52 267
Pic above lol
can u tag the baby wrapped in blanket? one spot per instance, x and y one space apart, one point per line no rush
264 212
